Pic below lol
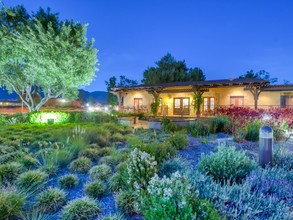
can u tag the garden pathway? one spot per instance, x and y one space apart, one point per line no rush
197 146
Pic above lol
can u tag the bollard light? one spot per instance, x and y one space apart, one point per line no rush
265 146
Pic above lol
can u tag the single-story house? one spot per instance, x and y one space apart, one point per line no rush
177 98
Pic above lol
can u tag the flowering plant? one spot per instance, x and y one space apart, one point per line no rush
141 168
174 198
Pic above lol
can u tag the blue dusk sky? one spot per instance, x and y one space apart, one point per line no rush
224 38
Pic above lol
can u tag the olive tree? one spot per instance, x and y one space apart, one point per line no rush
40 62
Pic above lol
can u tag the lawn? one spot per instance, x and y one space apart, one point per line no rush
93 168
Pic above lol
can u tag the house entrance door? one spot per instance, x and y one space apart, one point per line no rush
181 106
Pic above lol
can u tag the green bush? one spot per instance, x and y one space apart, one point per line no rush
219 124
161 151
179 140
100 172
105 151
81 209
170 166
80 165
97 135
167 125
176 200
141 168
51 200
95 189
199 129
68 181
29 162
91 153
9 172
119 180
118 137
11 203
252 131
126 202
227 164
32 180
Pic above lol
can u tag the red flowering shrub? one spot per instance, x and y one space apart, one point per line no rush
240 118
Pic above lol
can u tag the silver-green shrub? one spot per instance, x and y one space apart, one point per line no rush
227 164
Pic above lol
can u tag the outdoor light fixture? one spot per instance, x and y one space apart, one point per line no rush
49 117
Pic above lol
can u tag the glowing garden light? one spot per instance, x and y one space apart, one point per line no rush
49 117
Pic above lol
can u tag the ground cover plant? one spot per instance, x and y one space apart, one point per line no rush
84 170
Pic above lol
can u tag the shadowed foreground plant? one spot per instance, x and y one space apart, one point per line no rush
68 181
11 203
51 200
80 209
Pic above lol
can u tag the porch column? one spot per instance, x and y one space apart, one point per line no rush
255 91
155 93
198 92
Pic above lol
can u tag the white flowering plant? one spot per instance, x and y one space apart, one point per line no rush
174 198
141 168
168 198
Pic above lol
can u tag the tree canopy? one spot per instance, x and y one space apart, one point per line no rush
262 74
42 57
168 69
112 83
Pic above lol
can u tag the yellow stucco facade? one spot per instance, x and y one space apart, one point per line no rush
173 98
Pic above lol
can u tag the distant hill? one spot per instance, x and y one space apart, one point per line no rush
97 96
85 96
4 95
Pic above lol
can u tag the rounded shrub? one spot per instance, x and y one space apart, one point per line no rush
126 202
118 137
51 200
9 172
32 179
219 124
80 165
170 166
95 189
100 172
179 140
105 151
199 129
91 153
68 181
227 164
11 203
81 209
29 162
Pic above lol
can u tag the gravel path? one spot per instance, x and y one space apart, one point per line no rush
196 147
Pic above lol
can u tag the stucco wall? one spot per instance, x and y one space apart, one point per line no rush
221 95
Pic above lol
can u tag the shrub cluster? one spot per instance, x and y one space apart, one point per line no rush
100 172
174 198
80 165
68 181
141 168
226 164
79 209
199 129
11 203
179 140
51 200
95 189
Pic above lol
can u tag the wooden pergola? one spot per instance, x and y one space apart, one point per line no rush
255 86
